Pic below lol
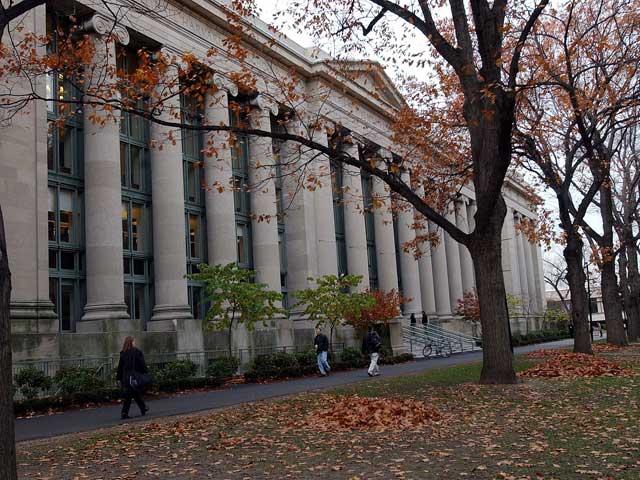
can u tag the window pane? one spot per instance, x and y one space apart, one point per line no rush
194 236
138 267
237 194
65 150
137 126
241 244
67 260
66 215
125 227
126 266
136 167
127 298
49 92
52 215
123 164
53 259
192 181
53 293
51 160
66 307
137 228
140 304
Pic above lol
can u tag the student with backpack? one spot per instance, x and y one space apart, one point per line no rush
371 346
321 342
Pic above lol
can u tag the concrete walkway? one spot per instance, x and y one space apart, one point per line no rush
73 421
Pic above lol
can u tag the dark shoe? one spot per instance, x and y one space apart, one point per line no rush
370 374
124 416
144 411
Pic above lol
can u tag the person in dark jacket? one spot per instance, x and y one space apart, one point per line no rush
131 362
425 319
412 318
371 344
321 342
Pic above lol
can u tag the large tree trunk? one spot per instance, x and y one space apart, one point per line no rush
579 298
632 303
612 306
609 281
7 435
629 304
486 252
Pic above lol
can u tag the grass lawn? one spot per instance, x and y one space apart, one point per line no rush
541 428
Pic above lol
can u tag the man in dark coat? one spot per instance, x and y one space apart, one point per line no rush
321 342
131 364
371 344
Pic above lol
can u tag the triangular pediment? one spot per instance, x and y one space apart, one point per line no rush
372 77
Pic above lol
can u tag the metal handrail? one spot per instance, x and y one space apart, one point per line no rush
439 337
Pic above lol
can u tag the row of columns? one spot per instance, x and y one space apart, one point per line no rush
434 283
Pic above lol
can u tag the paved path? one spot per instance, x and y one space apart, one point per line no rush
73 421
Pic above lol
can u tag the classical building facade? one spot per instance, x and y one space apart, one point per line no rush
102 228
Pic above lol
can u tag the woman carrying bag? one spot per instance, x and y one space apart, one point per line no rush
133 376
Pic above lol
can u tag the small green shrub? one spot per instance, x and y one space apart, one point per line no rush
31 382
308 358
173 371
222 368
353 358
72 380
274 365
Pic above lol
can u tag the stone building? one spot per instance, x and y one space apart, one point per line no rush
102 228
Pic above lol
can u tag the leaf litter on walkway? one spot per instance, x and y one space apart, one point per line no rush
560 428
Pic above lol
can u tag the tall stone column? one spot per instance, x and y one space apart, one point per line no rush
531 277
466 264
522 271
323 203
169 243
386 255
425 266
105 309
355 234
385 241
454 268
540 283
510 264
408 264
309 222
266 254
440 272
218 173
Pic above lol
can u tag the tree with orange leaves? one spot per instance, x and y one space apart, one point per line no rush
583 91
385 307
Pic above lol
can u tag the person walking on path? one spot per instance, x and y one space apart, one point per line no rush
321 343
371 346
131 369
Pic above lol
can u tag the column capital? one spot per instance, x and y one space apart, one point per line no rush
103 25
224 83
264 102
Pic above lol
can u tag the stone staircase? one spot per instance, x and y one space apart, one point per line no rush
434 341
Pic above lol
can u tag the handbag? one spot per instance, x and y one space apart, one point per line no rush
139 381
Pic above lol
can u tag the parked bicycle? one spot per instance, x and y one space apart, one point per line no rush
438 349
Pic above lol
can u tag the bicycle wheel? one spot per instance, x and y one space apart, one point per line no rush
426 351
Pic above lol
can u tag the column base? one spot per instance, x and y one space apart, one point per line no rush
107 317
395 334
189 335
171 312
33 317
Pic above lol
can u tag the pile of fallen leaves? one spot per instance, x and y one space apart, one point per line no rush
547 353
572 365
347 413
606 347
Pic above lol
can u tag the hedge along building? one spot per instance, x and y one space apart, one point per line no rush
102 228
